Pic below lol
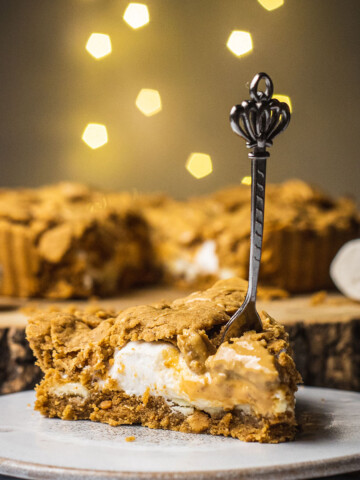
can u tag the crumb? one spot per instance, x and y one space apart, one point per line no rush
106 404
28 405
130 439
318 298
145 397
272 293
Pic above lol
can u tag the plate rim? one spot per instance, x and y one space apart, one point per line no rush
294 471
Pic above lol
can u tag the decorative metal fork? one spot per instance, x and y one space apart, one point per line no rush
258 121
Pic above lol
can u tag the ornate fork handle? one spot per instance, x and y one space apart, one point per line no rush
258 121
258 175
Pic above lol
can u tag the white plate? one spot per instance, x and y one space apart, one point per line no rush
35 447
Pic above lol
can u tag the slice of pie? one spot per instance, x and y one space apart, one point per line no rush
162 366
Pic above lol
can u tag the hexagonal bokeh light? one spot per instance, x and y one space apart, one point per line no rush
136 15
95 135
246 180
99 45
239 42
148 102
199 165
283 98
271 4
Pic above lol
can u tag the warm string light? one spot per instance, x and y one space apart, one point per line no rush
95 135
136 15
239 43
271 4
246 180
199 165
99 45
148 102
283 98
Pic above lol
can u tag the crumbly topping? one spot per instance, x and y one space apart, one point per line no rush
45 210
69 342
293 202
225 215
55 335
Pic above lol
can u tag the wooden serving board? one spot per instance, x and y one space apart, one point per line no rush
325 335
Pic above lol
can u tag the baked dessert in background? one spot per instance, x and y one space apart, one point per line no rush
163 366
207 238
67 241
304 228
70 241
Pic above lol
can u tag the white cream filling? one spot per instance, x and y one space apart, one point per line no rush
204 262
71 388
140 367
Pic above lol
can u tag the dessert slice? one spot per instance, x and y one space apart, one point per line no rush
162 366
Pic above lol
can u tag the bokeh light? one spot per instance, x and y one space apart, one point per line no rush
98 45
136 15
271 4
95 135
199 165
283 98
239 43
148 101
246 180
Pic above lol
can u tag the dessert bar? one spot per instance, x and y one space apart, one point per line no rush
163 366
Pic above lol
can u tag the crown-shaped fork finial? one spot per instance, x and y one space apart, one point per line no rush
262 118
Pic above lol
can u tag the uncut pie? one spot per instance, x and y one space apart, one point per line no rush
162 366
67 241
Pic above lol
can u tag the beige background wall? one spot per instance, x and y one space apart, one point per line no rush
51 88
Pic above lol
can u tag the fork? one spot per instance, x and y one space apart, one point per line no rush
258 120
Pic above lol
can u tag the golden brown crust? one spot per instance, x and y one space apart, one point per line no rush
117 408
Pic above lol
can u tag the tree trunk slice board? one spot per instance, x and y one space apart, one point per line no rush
325 335
325 338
